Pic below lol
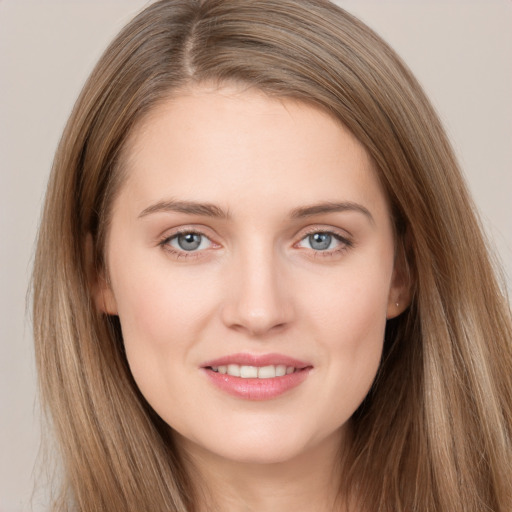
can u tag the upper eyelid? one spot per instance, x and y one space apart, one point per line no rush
342 233
180 230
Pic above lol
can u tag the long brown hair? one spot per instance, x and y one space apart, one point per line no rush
434 433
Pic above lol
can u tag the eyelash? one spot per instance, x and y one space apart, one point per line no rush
345 242
182 254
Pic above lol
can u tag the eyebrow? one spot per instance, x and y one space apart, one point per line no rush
212 210
189 207
330 207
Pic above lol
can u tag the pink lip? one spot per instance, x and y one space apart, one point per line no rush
257 389
256 360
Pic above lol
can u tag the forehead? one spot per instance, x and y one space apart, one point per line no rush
217 144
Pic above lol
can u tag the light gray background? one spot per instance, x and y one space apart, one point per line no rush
461 50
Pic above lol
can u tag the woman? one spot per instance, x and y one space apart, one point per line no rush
255 286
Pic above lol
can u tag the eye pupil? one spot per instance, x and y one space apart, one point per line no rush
189 241
320 241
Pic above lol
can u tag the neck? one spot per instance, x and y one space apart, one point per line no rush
309 481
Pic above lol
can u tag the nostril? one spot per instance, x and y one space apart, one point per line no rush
258 303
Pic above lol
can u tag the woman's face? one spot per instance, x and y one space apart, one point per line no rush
251 263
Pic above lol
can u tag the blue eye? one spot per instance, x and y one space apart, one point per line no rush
320 241
323 241
189 242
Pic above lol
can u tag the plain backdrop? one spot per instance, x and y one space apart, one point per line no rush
461 51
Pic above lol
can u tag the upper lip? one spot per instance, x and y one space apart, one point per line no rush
245 359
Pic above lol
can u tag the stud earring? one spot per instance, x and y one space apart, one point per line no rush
397 304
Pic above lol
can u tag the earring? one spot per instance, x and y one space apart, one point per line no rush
397 304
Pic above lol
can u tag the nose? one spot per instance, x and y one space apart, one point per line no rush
259 299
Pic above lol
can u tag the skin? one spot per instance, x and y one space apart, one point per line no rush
255 285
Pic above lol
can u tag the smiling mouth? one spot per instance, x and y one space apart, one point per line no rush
256 376
254 372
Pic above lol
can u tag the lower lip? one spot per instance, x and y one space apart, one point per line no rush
257 389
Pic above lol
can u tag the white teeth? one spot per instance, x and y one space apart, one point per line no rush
234 369
267 372
248 372
254 372
281 370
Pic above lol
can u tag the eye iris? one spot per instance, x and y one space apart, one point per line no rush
320 241
189 241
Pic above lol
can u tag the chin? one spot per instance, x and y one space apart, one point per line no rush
257 455
262 453
256 446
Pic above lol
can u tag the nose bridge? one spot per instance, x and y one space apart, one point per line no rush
258 301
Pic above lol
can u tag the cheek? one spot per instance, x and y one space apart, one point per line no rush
350 319
160 326
154 301
161 315
352 302
354 333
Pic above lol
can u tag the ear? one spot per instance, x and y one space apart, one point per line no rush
99 284
400 292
